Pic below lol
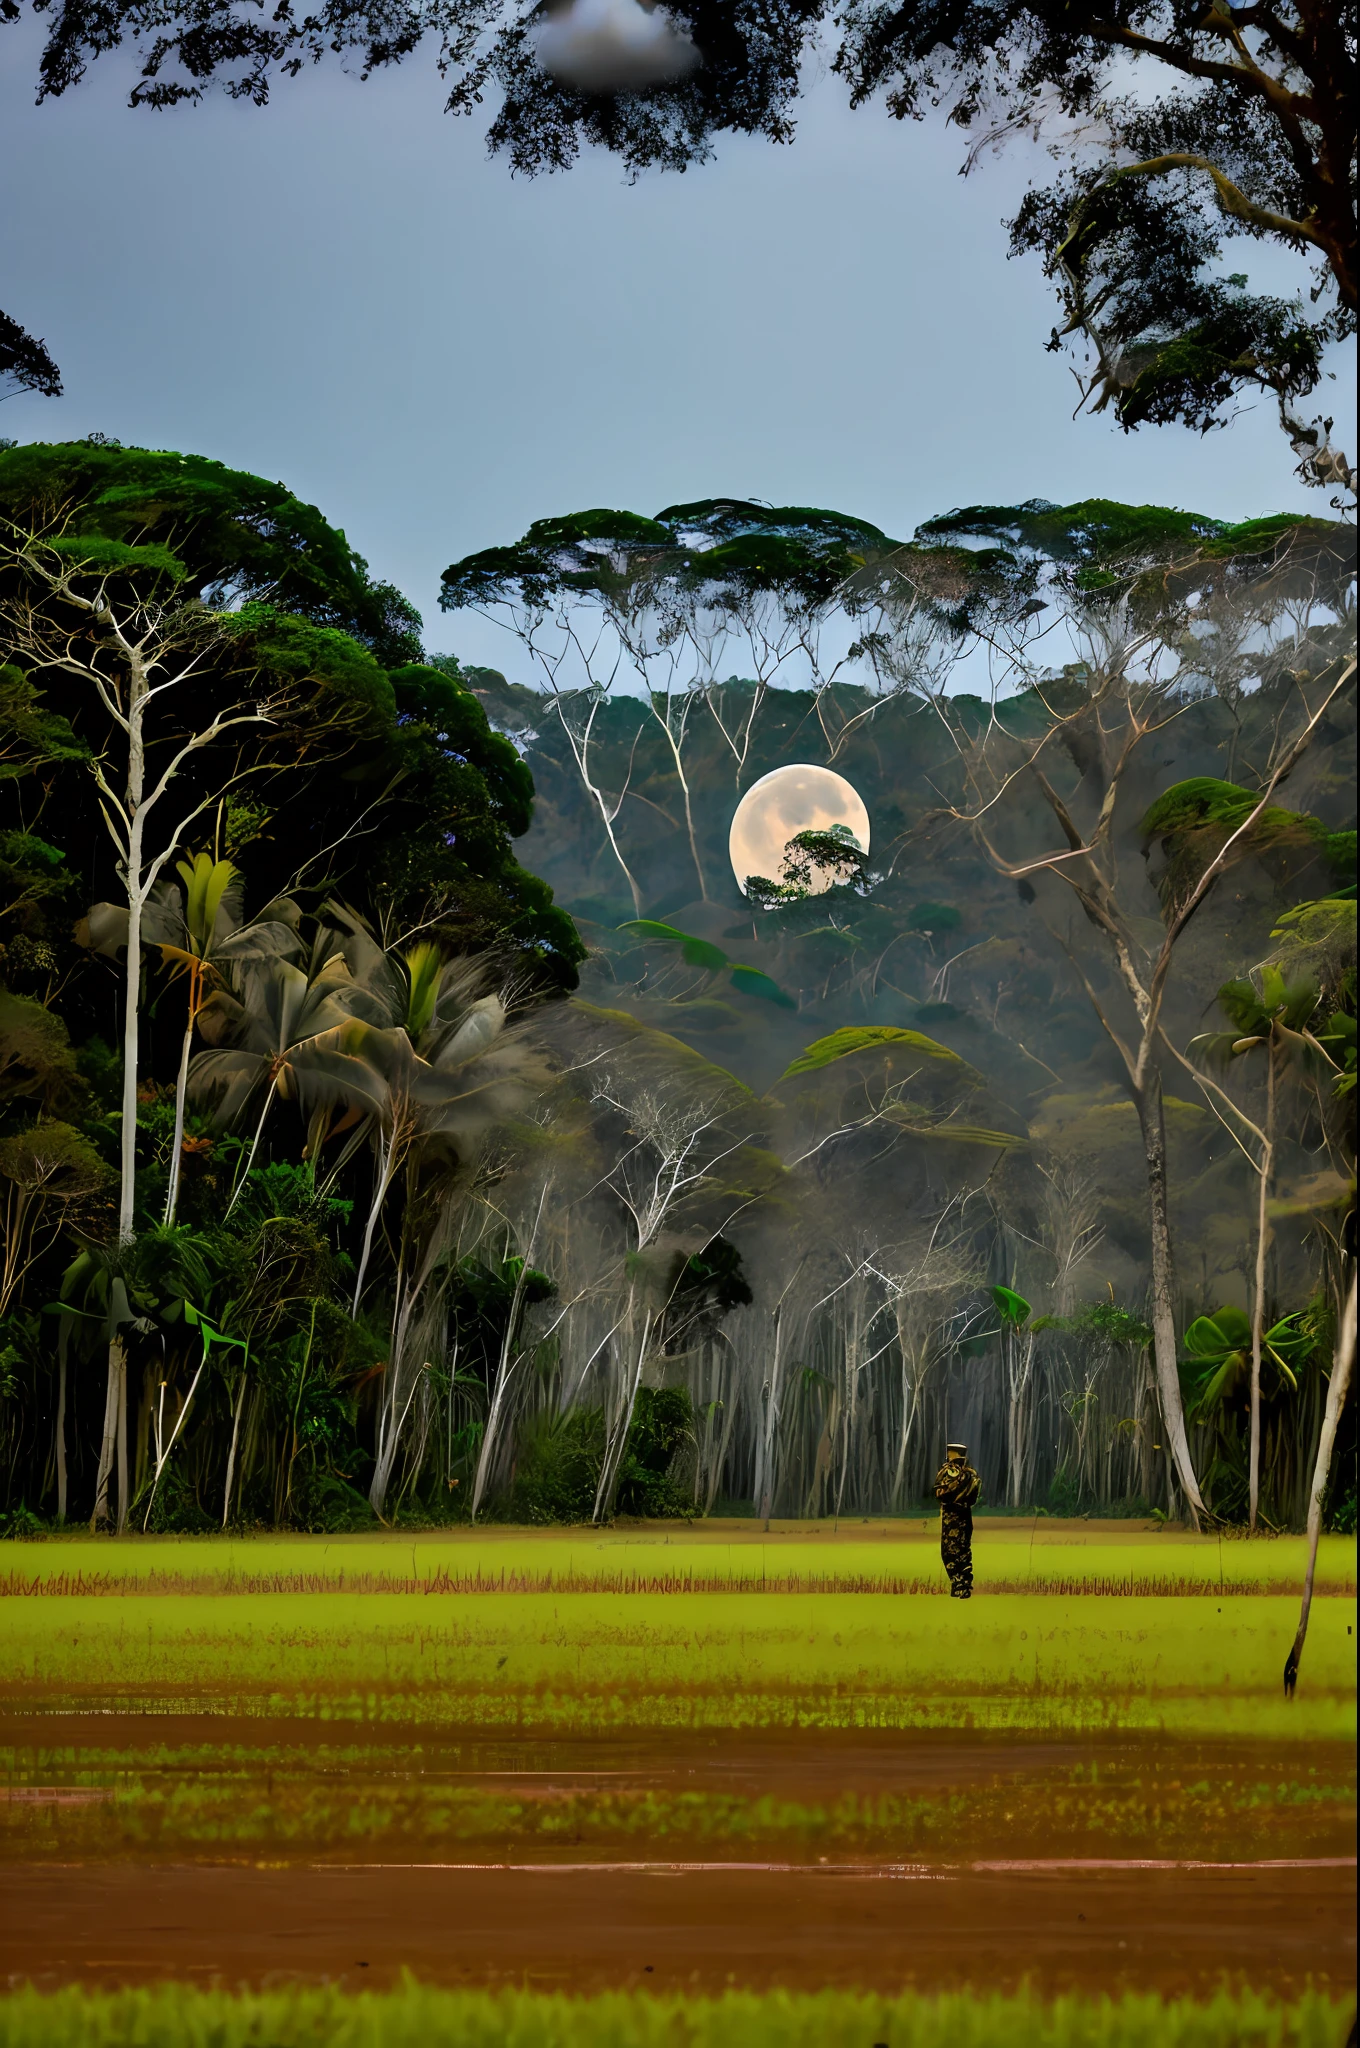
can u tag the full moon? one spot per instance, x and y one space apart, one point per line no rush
800 798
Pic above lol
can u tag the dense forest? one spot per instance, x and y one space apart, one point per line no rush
407 1112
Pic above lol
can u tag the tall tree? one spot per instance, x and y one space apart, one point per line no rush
174 686
602 598
1152 637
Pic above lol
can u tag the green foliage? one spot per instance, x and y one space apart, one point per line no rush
19 1524
558 1459
176 1509
287 645
1118 1324
1216 1381
1191 374
694 952
1066 1495
459 793
703 1288
37 1063
557 1466
1219 1348
1011 1307
1340 848
235 534
31 738
1316 941
663 1423
933 917
1200 800
482 1297
1093 532
1107 1319
95 554
1195 820
147 1280
54 1160
753 981
36 884
720 552
874 1038
167 2015
711 959
435 795
1272 1013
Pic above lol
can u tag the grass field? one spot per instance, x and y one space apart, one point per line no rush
1209 1665
179 1717
419 2017
1038 1556
68 1799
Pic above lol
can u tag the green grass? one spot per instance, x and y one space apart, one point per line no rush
1206 1666
171 2016
890 1557
341 1801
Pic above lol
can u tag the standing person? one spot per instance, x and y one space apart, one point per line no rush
956 1489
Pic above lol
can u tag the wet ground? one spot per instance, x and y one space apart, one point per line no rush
201 1846
587 1927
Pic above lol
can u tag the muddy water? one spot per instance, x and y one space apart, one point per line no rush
139 1846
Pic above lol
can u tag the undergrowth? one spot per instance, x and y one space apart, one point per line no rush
175 2016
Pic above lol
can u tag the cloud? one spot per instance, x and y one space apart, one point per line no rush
605 46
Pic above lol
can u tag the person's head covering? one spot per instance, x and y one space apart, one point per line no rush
962 1449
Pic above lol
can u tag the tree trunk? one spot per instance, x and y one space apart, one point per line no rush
181 1089
114 1436
683 780
504 1368
114 1405
386 1174
617 1442
254 1148
124 1501
1336 1401
61 1432
163 1455
137 694
231 1454
769 1434
1258 1305
1152 1120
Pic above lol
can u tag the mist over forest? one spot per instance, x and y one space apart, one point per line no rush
480 1143
987 1135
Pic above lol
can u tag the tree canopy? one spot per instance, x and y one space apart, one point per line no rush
1175 131
389 781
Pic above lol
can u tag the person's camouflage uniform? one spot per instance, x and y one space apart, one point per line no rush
956 1489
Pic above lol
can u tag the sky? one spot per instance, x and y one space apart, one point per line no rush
341 291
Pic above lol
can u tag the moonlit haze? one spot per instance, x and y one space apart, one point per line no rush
799 798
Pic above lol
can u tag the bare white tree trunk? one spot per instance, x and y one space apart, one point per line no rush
1342 1367
162 1456
1258 1304
769 1434
181 1090
1152 1120
115 1399
505 1366
616 1442
231 1453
